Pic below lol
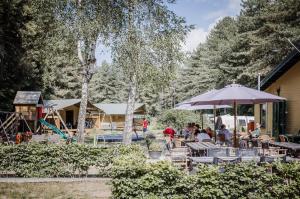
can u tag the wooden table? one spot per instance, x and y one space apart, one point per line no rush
293 148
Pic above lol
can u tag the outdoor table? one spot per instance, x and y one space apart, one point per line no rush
293 138
200 148
293 148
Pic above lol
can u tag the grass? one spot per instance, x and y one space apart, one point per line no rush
55 190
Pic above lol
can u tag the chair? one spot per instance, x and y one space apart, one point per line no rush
179 156
218 152
283 138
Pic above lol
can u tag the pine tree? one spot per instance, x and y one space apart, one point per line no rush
108 85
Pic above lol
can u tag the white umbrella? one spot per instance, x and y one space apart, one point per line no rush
236 94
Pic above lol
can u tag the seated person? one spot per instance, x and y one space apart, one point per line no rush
226 133
202 136
209 132
187 131
256 132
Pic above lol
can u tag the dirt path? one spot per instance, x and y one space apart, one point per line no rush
57 188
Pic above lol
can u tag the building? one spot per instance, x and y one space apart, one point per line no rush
115 115
30 105
68 110
284 81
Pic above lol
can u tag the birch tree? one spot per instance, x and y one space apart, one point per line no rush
90 21
147 48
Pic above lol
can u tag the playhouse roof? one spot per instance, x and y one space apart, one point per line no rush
120 109
28 97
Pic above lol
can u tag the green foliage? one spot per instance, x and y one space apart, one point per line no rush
178 118
133 178
49 160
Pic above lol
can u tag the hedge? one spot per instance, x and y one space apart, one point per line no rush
134 178
50 160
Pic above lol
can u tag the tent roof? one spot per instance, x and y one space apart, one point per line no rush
64 103
28 97
61 103
120 109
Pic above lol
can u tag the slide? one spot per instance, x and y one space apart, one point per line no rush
55 129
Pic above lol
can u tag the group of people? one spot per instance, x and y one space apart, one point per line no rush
193 132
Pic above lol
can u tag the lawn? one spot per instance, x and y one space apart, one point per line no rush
57 190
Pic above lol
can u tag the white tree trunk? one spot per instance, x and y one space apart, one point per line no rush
128 129
82 110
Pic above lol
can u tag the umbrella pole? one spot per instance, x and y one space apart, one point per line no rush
201 119
234 131
215 123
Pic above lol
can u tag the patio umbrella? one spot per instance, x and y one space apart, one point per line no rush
236 94
185 105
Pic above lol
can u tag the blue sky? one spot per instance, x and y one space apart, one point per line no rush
204 14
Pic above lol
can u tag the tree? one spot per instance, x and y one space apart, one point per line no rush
108 85
147 48
88 22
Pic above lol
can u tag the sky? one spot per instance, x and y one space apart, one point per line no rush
203 14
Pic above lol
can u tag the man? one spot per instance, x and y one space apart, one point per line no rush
145 125
226 134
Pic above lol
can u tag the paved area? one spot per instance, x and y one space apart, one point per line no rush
34 180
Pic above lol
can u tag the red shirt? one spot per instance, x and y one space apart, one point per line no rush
169 131
145 124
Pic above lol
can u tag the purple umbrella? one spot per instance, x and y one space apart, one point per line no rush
236 94
199 107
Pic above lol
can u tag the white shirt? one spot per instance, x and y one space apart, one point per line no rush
202 136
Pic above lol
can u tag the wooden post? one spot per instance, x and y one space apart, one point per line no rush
234 131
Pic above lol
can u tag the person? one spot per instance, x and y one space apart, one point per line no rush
253 135
219 121
145 125
169 133
187 131
256 132
202 136
226 133
209 132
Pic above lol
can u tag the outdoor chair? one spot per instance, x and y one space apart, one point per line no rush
218 152
248 155
179 156
268 150
228 160
283 138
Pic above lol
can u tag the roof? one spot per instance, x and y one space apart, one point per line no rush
28 97
280 69
120 109
61 103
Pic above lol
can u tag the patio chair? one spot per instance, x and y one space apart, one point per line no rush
283 138
179 156
228 160
248 155
218 152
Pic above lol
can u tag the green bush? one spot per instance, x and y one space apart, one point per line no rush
178 118
134 178
49 160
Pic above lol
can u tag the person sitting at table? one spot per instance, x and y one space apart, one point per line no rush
226 133
187 131
202 136
253 135
209 132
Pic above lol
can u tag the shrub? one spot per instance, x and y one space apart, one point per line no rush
49 160
134 178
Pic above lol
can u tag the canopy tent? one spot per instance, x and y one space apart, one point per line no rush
235 94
